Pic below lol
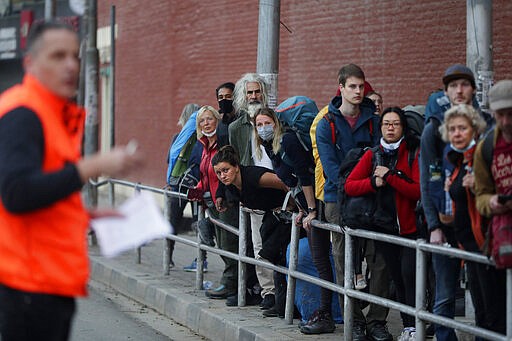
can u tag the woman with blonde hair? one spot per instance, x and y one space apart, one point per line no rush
462 128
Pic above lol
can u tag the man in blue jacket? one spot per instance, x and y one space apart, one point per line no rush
459 83
355 125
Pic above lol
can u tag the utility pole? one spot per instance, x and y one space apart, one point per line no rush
49 9
91 92
479 46
267 64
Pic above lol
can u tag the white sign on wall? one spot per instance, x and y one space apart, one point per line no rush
8 43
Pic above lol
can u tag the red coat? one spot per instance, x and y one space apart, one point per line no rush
208 179
407 194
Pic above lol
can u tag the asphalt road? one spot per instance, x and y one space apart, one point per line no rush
108 315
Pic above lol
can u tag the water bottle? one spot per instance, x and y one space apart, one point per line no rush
207 285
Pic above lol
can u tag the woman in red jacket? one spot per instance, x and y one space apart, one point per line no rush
391 172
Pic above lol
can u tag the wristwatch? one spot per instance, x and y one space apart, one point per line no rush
311 209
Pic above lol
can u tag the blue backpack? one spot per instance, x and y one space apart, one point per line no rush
297 114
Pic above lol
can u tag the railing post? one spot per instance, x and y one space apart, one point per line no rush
421 288
242 251
167 241
200 254
292 266
348 311
138 257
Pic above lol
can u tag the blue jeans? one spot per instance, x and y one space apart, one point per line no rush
446 271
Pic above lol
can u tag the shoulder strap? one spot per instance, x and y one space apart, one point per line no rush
330 119
488 148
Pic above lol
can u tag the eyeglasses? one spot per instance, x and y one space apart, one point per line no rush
394 124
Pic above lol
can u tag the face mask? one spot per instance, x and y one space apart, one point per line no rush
209 134
266 132
470 145
226 106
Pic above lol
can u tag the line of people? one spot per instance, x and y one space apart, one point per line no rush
264 161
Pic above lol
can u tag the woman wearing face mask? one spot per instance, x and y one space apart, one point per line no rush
291 162
461 128
206 128
391 172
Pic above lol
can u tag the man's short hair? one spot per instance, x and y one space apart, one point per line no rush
38 29
227 85
458 71
349 70
500 95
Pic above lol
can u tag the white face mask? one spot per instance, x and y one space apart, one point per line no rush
209 134
470 145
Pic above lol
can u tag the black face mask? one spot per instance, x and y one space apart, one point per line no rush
226 106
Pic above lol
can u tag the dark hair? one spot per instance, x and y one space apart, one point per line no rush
349 70
37 30
412 141
226 154
227 85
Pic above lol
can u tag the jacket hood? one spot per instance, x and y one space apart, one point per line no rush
366 105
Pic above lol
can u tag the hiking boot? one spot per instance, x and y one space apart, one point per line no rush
268 302
221 292
193 266
359 332
379 332
320 322
250 299
273 312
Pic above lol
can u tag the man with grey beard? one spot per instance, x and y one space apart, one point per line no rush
249 96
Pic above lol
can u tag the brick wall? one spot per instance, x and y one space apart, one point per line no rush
170 53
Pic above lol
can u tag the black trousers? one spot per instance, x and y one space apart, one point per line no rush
29 316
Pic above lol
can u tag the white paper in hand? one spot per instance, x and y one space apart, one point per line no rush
142 221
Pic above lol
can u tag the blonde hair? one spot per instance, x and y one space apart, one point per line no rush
278 131
200 113
468 112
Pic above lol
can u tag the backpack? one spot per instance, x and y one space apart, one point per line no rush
361 212
415 115
181 174
297 114
499 235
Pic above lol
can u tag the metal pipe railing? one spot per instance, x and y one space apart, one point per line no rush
350 294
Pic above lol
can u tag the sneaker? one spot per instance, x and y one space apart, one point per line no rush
268 302
408 334
193 266
430 331
379 332
320 322
220 292
360 283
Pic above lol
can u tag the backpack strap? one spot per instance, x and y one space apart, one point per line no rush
330 119
488 148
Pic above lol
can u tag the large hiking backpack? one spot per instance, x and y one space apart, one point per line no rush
415 115
297 114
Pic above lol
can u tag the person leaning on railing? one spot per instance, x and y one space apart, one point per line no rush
391 173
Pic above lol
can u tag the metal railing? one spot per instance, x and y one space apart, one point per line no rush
420 311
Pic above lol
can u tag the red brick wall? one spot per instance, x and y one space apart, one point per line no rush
170 53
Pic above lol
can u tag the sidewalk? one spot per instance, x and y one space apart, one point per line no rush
175 296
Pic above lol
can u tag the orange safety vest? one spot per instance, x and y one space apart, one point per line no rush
45 250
